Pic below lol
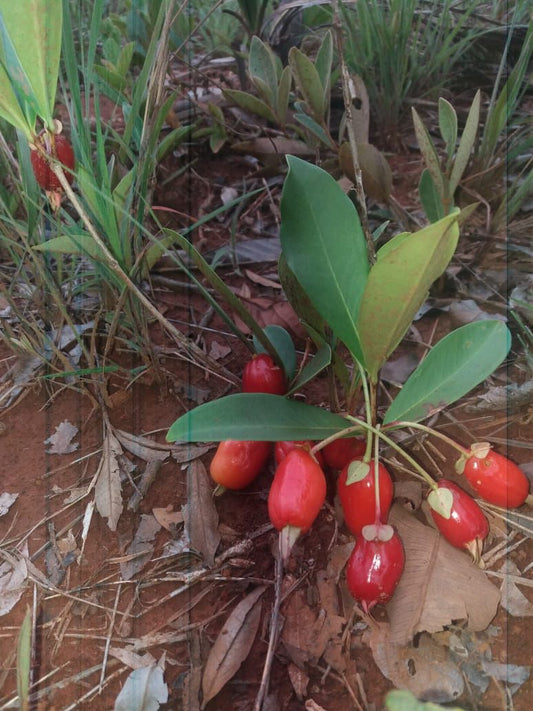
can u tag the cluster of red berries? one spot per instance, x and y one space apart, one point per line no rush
365 491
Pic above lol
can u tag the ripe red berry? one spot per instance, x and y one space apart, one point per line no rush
467 526
496 479
358 500
296 495
340 452
375 568
281 449
262 375
236 463
58 147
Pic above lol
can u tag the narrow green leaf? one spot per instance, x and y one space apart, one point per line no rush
256 417
262 68
325 248
308 82
24 661
320 361
448 126
398 284
283 94
430 155
323 62
250 103
283 343
312 126
429 197
454 366
82 244
466 143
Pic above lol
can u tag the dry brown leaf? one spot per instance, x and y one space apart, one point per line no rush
232 645
218 350
425 670
440 584
131 659
513 600
200 513
299 680
13 580
6 501
168 518
141 548
311 705
260 279
108 487
143 447
61 440
183 453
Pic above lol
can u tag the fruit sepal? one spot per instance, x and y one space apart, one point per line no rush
441 501
357 471
378 532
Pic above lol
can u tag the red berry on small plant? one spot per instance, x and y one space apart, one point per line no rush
281 449
358 500
57 146
342 451
236 463
495 478
296 496
375 566
466 526
262 375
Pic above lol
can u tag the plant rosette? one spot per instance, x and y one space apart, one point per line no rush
375 565
495 478
342 451
458 517
358 498
262 375
296 496
236 464
281 449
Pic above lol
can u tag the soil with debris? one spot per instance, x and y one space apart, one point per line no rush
157 580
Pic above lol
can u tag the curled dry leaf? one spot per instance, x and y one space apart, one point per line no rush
143 447
108 488
425 670
168 518
6 501
61 441
232 645
132 659
144 690
140 549
13 579
200 514
440 584
513 600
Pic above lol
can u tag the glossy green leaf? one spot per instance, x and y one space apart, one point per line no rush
320 361
31 45
454 366
466 143
283 343
325 248
398 284
256 417
297 297
429 197
448 125
308 82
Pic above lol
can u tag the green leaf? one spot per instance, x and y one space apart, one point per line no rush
31 38
24 656
283 94
398 284
297 297
429 197
466 143
250 103
320 361
312 126
282 342
262 69
256 417
460 361
403 700
323 62
448 126
82 244
430 155
308 82
325 248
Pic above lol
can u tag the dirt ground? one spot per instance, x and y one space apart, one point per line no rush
175 605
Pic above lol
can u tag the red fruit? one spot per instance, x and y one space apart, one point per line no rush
496 479
375 568
236 463
340 452
262 375
281 449
297 492
467 525
358 500
57 146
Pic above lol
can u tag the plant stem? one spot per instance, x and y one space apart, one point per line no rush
430 431
376 477
368 411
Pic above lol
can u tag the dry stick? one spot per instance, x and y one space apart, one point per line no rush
115 267
108 640
274 633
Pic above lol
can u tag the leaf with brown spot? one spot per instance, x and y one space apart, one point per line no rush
232 645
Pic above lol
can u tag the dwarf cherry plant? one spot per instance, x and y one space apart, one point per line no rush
357 309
